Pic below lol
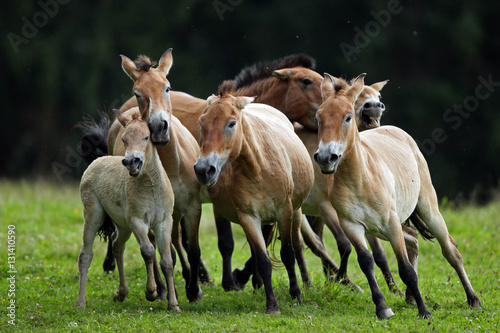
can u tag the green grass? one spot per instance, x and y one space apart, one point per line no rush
48 226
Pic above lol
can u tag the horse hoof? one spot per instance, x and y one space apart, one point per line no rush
80 304
196 297
151 296
230 287
385 314
109 265
175 308
425 315
240 278
474 303
119 297
273 310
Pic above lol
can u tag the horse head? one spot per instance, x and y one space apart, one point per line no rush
303 94
336 120
152 90
136 140
369 108
221 136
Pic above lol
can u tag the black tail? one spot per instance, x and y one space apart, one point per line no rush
94 143
417 221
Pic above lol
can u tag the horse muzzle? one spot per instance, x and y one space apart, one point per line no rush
159 126
371 112
207 170
134 163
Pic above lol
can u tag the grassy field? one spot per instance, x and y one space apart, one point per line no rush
48 229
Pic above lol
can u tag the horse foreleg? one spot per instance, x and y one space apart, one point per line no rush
177 242
226 247
164 232
356 234
121 236
298 245
381 261
140 230
161 288
203 274
253 231
192 225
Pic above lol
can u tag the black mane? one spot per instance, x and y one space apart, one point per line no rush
143 63
262 70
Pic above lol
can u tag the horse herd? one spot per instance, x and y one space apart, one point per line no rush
259 151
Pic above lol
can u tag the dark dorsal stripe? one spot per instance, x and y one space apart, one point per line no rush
262 70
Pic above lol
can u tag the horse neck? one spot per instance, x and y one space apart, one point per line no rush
152 174
270 91
249 158
353 167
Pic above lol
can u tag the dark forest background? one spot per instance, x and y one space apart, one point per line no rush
60 61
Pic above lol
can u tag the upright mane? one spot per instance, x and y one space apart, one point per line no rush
143 63
262 70
228 87
341 84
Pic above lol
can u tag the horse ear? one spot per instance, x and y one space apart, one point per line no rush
242 101
122 117
379 85
211 99
166 62
129 67
327 85
356 88
283 74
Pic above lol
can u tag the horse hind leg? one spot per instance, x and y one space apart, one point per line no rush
203 274
226 247
94 216
428 210
411 242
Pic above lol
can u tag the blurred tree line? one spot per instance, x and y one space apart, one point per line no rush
60 61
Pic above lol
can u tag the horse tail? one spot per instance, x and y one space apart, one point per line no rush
106 229
273 237
417 221
94 142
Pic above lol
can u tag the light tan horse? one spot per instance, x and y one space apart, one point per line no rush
178 151
135 193
381 178
257 171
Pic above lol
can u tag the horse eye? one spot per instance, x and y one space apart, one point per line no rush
146 138
137 95
348 119
307 82
231 124
167 90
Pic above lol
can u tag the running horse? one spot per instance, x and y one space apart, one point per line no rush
135 192
381 179
257 171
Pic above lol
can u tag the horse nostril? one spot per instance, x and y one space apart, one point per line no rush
367 105
334 158
137 160
211 171
165 126
124 162
382 106
315 156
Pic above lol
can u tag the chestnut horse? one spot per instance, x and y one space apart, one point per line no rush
381 179
138 198
178 151
257 171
